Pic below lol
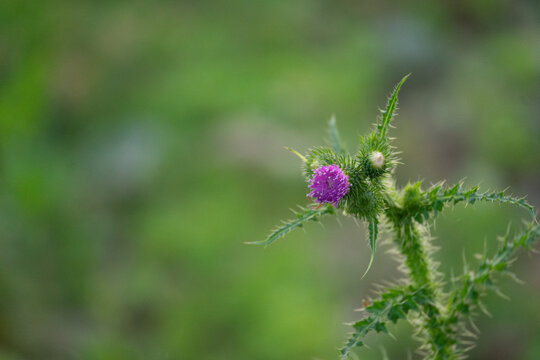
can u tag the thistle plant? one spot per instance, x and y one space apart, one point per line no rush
361 185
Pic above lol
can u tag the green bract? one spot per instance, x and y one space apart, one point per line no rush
441 319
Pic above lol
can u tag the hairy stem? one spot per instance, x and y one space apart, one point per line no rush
412 243
412 247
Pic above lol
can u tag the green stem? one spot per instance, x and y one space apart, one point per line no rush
412 243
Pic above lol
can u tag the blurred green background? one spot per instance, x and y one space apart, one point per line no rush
141 145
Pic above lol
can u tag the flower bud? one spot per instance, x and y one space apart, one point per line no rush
376 159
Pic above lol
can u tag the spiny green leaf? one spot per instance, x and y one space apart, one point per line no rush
362 325
395 314
380 327
334 136
303 216
390 108
437 197
373 232
393 304
473 284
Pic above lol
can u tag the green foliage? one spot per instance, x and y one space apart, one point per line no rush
422 205
373 230
392 305
439 318
337 146
437 197
473 284
388 113
302 216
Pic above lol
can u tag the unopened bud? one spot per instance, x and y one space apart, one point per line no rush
377 159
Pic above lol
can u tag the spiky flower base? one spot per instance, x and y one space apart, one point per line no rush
362 186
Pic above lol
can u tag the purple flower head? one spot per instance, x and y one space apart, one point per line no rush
329 184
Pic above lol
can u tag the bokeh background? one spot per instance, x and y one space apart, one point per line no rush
141 145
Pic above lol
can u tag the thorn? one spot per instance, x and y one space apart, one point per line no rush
501 294
473 325
296 153
483 309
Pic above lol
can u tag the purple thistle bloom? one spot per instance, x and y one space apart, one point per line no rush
329 184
